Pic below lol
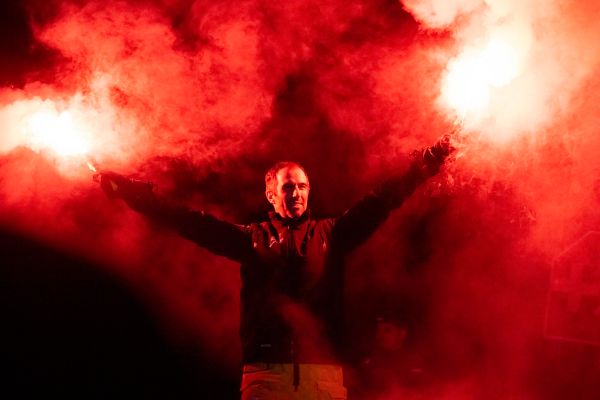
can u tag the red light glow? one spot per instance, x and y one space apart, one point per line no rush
68 130
491 78
57 132
472 76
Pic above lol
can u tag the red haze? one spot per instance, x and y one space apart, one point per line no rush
202 97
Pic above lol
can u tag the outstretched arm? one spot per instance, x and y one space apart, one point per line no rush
358 223
220 237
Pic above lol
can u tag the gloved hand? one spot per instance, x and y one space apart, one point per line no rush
436 154
118 186
430 159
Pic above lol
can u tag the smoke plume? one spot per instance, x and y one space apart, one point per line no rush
447 300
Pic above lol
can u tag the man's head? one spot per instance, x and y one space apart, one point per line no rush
287 189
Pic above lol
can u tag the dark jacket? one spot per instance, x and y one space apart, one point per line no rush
291 269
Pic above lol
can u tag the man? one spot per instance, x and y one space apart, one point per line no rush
291 269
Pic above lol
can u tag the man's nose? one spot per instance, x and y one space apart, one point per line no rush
296 191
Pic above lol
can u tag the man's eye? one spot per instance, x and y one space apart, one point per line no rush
289 188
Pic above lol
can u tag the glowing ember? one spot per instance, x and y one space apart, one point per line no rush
472 76
92 167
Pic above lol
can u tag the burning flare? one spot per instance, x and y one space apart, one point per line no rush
472 76
57 132
489 85
69 131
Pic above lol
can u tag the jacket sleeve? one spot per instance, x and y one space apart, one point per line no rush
359 222
218 236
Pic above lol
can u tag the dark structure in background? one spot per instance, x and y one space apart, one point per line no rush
69 330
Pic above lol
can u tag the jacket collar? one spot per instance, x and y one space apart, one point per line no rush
289 222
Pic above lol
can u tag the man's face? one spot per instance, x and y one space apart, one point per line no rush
290 196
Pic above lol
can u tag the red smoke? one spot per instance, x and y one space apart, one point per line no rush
201 97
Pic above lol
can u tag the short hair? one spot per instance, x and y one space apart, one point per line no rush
271 175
